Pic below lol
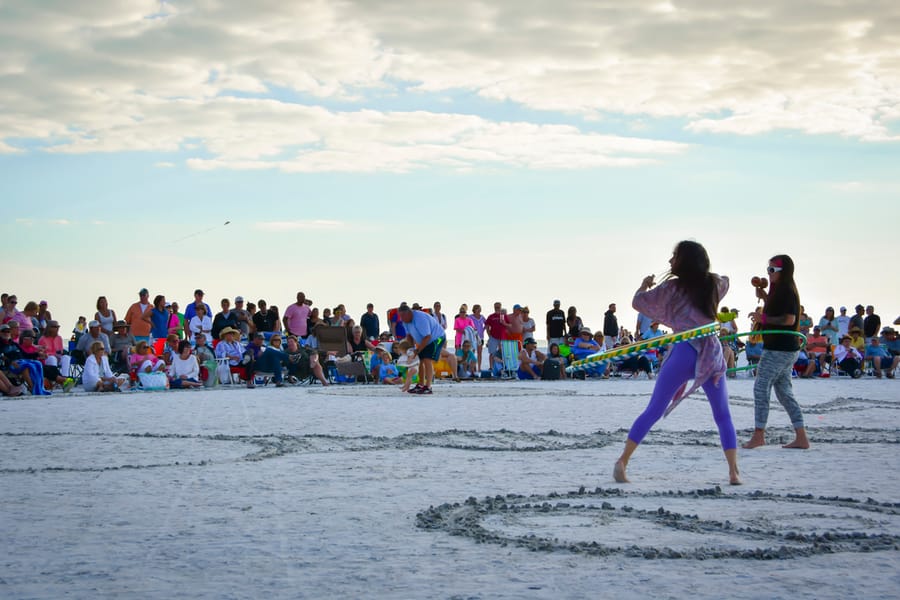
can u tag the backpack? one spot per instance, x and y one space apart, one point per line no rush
550 370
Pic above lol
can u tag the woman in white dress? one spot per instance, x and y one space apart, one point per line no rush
97 376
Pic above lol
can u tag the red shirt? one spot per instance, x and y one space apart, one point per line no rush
496 326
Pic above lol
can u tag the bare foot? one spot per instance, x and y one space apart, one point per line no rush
798 444
734 478
756 440
619 472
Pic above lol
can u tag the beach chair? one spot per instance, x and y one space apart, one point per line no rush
332 340
509 349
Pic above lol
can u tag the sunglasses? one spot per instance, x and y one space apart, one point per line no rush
771 270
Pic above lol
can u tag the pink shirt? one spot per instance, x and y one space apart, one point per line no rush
52 345
460 324
295 318
667 304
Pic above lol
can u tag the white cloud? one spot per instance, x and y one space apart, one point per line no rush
151 76
60 222
164 165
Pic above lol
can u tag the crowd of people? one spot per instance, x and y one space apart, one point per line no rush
198 346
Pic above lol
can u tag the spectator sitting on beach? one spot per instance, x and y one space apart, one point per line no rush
170 348
531 360
97 375
52 343
466 361
184 370
228 346
584 345
51 375
143 360
407 358
226 318
554 354
93 335
848 358
138 316
857 340
817 350
357 342
882 359
120 345
388 373
891 340
303 361
203 351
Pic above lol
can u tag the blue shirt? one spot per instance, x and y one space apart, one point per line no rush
422 326
159 323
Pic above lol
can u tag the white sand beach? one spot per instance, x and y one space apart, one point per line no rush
312 492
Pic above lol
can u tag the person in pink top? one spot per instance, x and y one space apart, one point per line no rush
686 299
460 322
296 315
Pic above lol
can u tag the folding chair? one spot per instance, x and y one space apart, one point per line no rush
509 349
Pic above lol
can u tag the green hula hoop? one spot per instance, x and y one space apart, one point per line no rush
638 347
734 336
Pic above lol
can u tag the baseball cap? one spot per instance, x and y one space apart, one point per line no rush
94 324
529 340
556 302
517 306
843 308
4 327
238 299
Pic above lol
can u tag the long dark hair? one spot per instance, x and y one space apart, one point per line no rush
786 289
691 267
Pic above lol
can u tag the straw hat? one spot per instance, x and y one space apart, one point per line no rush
226 331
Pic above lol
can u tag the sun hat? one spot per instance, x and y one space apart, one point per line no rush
586 330
119 324
228 330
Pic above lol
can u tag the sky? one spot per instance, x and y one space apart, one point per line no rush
465 152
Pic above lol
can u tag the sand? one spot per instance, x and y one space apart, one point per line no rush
483 490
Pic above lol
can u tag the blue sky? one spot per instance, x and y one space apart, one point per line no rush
464 153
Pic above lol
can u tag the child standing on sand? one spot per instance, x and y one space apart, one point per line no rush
409 360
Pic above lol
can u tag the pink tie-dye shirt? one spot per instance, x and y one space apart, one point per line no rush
667 304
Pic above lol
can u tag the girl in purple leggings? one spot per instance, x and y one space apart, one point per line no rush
687 298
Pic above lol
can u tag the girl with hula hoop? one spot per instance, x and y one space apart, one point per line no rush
782 309
686 299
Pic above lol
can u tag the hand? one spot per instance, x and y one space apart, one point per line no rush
647 283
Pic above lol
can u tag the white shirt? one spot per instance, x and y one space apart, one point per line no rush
184 368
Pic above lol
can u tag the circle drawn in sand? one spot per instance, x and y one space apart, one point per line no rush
700 524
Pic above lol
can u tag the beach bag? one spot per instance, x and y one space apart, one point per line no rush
550 370
223 372
157 380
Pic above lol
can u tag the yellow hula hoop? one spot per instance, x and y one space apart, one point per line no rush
638 347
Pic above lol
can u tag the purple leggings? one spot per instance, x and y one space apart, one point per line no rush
676 370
